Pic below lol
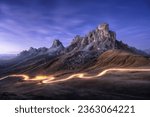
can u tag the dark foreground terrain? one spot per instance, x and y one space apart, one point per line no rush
118 85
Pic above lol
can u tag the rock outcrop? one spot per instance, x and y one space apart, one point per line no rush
56 48
57 43
100 40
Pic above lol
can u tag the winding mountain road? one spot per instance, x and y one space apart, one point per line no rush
53 79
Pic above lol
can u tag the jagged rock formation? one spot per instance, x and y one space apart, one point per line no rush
57 43
81 49
81 53
33 52
100 40
56 48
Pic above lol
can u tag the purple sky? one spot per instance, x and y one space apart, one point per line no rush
36 23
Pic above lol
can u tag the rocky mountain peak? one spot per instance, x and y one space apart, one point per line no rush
32 49
100 39
56 48
77 39
104 26
57 43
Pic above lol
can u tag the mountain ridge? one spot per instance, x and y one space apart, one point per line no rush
82 53
101 39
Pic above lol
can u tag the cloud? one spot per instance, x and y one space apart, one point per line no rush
38 22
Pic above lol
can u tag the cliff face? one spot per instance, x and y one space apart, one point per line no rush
100 39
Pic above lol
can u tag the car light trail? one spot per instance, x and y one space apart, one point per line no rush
53 79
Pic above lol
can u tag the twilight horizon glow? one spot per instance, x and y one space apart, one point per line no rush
36 23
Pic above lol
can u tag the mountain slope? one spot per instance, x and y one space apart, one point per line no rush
120 58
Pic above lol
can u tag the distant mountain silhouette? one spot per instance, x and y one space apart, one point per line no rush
7 56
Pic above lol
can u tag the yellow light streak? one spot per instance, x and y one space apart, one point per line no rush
53 79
